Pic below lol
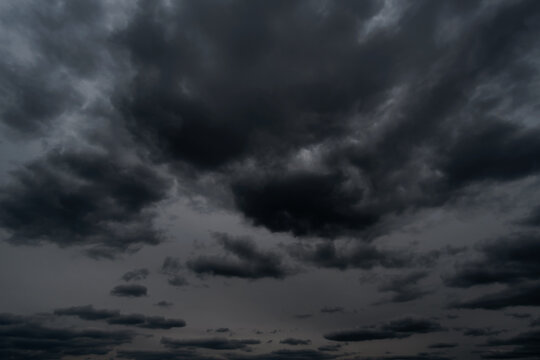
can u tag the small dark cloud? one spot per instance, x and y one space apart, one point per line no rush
210 343
222 330
159 322
164 304
363 335
481 332
87 312
252 263
114 317
294 342
519 315
136 275
413 325
330 347
129 291
443 345
396 329
332 309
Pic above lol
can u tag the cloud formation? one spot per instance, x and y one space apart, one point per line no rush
252 263
26 338
114 317
82 198
396 329
129 291
136 275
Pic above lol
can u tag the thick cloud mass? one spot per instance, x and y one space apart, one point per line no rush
377 157
82 199
506 260
298 128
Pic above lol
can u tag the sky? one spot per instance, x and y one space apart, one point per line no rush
269 180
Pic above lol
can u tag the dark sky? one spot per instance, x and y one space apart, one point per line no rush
270 180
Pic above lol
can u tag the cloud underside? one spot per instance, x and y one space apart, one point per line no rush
328 138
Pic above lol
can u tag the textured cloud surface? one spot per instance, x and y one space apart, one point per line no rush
303 179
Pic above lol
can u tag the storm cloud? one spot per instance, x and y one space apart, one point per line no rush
379 158
89 199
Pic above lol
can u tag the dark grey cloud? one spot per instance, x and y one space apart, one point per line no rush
507 260
210 343
164 304
419 356
329 121
522 346
87 312
522 295
519 315
163 355
481 332
259 107
332 309
533 218
171 266
294 342
283 354
362 256
129 291
396 329
442 345
405 287
82 198
252 263
27 338
363 335
535 322
40 73
222 330
330 347
114 317
136 275
413 325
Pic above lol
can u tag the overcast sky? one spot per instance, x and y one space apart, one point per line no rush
269 180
